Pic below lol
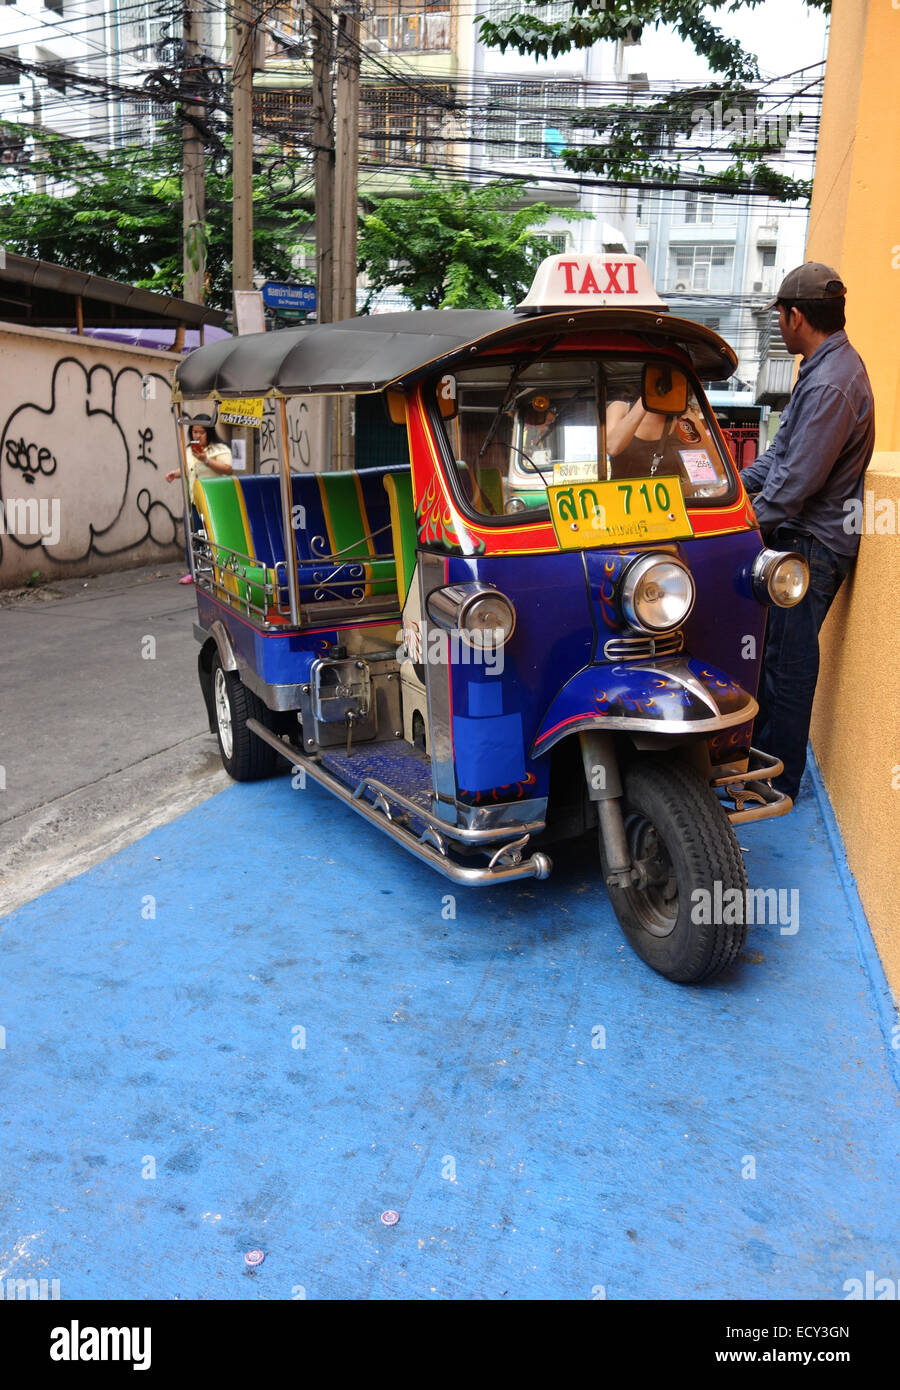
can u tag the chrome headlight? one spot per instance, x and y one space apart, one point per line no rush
656 593
780 577
481 615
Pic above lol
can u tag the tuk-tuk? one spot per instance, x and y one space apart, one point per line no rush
539 616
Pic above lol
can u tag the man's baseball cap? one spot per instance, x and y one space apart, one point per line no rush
812 280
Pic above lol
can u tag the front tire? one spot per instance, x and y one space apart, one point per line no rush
682 845
244 756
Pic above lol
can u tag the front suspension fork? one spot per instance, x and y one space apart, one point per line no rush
604 783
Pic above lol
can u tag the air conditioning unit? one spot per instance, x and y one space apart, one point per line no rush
757 285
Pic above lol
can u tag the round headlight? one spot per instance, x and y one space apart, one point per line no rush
488 619
780 577
657 593
481 615
515 504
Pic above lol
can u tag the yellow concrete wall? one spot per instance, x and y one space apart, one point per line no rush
855 226
856 719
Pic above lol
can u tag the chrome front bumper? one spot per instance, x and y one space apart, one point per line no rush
751 792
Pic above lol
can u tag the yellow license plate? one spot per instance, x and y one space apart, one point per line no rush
619 512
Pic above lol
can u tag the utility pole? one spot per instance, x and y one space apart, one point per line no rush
193 165
323 158
346 202
346 160
242 36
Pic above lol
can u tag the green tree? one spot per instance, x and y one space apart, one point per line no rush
452 246
638 143
118 213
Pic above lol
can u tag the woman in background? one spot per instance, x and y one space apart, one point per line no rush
206 457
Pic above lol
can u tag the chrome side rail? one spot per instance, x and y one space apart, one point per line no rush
506 863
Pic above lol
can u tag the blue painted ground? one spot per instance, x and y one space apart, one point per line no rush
448 1073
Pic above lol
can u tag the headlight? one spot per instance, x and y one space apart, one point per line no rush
780 577
480 614
515 504
657 593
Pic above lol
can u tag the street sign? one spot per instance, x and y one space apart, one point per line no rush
293 297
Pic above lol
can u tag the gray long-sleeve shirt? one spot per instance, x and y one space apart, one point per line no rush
818 458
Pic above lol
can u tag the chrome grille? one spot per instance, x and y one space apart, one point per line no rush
642 647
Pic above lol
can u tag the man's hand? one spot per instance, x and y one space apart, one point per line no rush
173 474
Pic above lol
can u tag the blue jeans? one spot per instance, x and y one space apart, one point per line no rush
791 657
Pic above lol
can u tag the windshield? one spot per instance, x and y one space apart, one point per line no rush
521 425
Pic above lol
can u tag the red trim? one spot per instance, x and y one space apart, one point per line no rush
573 718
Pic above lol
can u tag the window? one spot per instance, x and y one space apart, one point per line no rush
768 257
498 11
701 267
526 120
287 114
410 25
399 125
139 29
699 207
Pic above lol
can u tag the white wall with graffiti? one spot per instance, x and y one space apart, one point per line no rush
86 439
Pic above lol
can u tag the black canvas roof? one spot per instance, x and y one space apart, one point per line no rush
369 353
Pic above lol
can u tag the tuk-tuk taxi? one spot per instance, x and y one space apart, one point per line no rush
539 615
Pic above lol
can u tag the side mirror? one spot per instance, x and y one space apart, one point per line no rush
664 389
396 407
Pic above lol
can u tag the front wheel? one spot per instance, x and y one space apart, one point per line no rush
244 756
685 914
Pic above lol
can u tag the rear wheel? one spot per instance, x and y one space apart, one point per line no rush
244 756
686 913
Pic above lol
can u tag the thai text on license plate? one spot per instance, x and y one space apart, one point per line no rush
619 512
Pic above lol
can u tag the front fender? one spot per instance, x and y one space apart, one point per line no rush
678 696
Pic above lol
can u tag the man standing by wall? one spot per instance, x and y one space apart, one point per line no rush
815 464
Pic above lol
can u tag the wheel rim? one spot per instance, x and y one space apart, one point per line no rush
223 713
654 897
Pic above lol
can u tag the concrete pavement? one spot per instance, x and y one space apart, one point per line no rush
103 732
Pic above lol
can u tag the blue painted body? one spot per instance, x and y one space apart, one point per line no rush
554 672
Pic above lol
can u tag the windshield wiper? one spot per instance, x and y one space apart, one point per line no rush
510 389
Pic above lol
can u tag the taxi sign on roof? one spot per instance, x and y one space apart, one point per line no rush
592 282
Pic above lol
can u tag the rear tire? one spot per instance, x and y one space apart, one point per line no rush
682 842
244 756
